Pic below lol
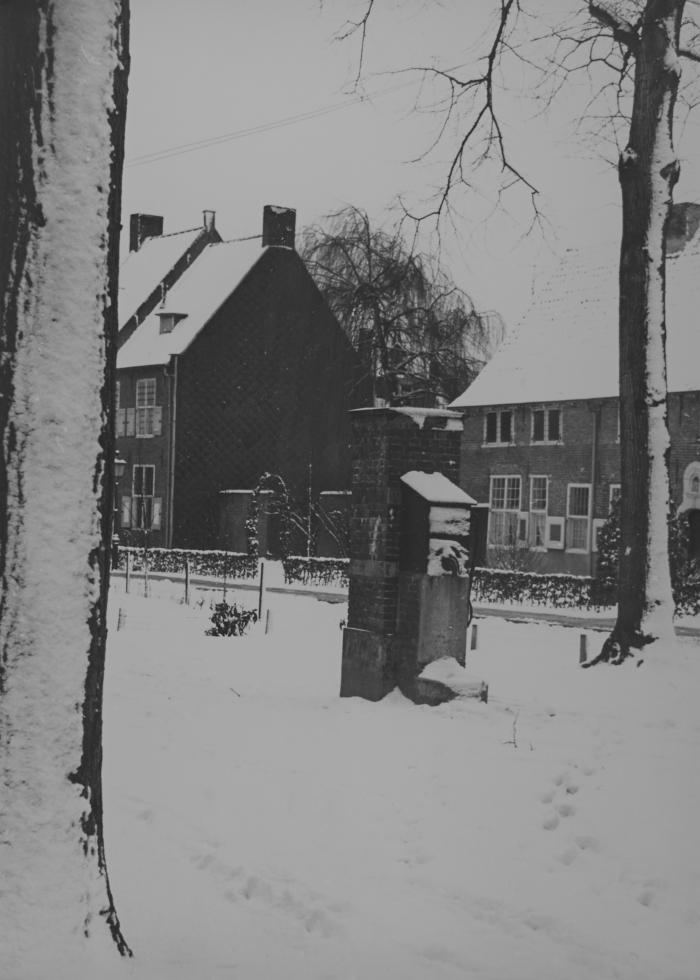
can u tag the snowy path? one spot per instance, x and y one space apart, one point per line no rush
260 827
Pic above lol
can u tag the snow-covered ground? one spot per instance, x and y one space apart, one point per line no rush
258 826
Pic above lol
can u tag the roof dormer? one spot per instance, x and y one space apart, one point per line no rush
169 320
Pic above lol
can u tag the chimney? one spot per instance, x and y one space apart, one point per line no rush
143 226
209 221
278 226
682 225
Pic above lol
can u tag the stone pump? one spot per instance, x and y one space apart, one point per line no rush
410 551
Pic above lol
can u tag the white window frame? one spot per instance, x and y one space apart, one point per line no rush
513 510
578 517
537 513
546 441
138 512
145 407
499 413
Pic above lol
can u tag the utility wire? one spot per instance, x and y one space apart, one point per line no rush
183 148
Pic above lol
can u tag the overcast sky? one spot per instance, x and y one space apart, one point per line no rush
268 84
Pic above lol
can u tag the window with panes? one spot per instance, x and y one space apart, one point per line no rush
504 509
145 406
546 425
577 516
498 427
142 488
538 511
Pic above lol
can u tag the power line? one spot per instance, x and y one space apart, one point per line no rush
179 150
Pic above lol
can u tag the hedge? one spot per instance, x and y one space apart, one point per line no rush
228 564
317 571
556 591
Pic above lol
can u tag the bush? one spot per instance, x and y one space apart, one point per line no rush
317 571
532 588
230 620
685 575
223 564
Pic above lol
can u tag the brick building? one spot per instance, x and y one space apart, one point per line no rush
238 368
541 426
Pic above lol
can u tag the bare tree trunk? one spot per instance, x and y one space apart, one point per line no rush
648 171
63 76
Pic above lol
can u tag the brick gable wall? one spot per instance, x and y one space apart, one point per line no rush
266 386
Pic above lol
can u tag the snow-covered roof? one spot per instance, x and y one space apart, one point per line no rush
198 294
436 488
566 345
142 270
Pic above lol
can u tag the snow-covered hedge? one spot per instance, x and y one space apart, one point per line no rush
316 571
503 587
223 564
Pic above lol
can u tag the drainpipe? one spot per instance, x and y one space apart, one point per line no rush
595 410
171 451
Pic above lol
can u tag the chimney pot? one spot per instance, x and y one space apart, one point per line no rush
279 226
143 226
209 220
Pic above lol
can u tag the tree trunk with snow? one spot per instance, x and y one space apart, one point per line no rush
63 71
648 171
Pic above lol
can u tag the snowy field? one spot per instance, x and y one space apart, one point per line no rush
258 826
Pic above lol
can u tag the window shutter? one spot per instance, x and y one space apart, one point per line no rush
157 510
121 422
126 512
555 532
523 529
157 419
130 422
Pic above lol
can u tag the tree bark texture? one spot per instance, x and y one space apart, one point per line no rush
63 78
648 171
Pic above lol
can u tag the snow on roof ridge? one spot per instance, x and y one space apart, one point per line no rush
565 346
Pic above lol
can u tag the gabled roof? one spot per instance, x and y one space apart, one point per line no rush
198 294
142 271
566 346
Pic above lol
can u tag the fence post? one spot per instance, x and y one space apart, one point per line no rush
187 581
583 649
260 595
128 570
145 573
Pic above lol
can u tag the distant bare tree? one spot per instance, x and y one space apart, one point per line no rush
638 45
421 339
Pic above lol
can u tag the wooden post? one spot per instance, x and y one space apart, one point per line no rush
475 637
187 581
145 572
583 648
260 596
268 621
121 621
128 570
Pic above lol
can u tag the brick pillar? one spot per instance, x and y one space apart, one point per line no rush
386 443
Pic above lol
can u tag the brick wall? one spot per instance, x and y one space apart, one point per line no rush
265 387
147 450
387 444
571 462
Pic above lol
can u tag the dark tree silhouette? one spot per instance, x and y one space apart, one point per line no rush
418 334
